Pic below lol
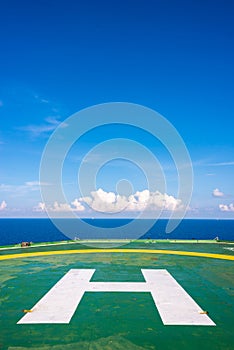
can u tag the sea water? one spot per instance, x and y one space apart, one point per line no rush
13 231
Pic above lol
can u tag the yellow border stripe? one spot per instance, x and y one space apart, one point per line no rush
93 251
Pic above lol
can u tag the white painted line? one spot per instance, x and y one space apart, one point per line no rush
174 304
118 287
60 303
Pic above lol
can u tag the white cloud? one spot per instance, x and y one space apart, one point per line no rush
41 99
51 123
217 193
32 184
3 206
5 188
40 207
27 187
226 208
222 163
105 202
102 201
153 200
60 207
78 206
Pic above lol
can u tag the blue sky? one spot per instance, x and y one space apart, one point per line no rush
175 57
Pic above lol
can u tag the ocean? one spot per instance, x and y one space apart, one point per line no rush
14 231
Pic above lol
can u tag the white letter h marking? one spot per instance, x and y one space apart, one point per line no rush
174 304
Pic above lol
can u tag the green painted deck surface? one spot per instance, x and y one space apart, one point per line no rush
115 320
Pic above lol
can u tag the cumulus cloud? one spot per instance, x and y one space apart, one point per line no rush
77 205
217 193
226 207
3 206
105 202
153 200
112 203
60 207
40 207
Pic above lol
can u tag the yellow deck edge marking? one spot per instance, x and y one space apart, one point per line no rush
93 251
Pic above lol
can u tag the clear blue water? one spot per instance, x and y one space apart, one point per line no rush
13 231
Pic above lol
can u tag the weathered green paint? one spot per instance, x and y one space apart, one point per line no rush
118 320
